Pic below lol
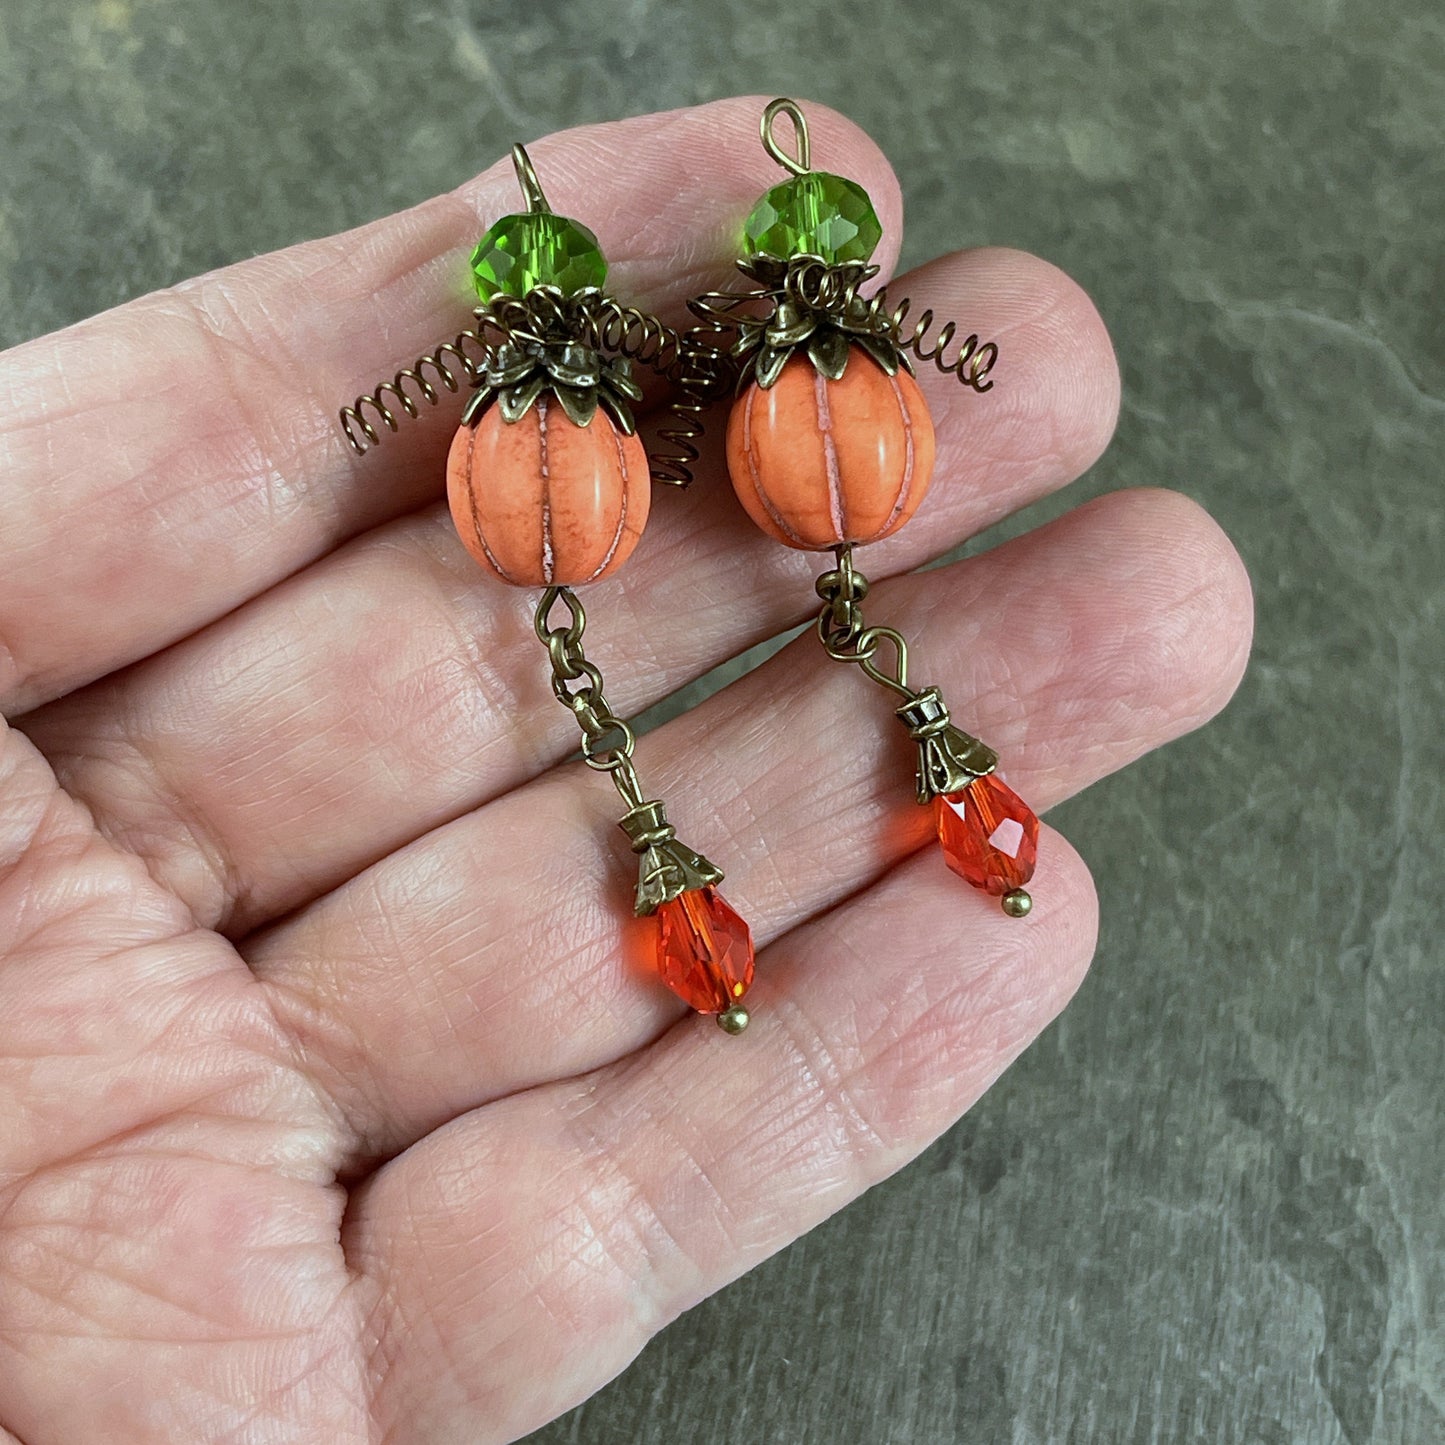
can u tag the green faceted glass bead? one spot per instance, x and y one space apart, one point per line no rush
815 214
536 248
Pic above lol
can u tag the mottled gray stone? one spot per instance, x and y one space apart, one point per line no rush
1206 1207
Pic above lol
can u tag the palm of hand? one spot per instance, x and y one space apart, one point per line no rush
332 1110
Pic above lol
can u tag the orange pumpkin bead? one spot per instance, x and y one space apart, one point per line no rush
817 463
543 502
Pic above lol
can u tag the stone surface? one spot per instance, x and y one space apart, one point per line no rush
1206 1207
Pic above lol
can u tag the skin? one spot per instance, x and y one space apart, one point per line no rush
331 1110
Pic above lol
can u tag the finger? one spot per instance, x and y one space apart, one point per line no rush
493 954
546 1237
391 687
163 462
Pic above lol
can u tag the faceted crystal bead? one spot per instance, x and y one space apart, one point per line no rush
704 950
990 836
536 248
816 214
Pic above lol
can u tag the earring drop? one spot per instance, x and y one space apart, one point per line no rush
548 485
830 446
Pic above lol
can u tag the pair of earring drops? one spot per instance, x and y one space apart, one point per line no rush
829 446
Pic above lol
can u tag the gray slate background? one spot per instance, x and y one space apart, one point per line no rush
1207 1205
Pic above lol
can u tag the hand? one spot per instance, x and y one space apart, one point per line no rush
331 1109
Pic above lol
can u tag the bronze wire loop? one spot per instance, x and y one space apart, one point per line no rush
802 162
527 182
845 637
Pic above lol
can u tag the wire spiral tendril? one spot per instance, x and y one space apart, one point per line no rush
830 288
973 360
594 319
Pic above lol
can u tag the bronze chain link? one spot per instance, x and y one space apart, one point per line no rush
607 740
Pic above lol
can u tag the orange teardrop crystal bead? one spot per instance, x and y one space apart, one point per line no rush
990 836
704 950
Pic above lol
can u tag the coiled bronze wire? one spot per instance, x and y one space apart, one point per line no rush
705 372
450 364
971 365
594 319
642 338
832 288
